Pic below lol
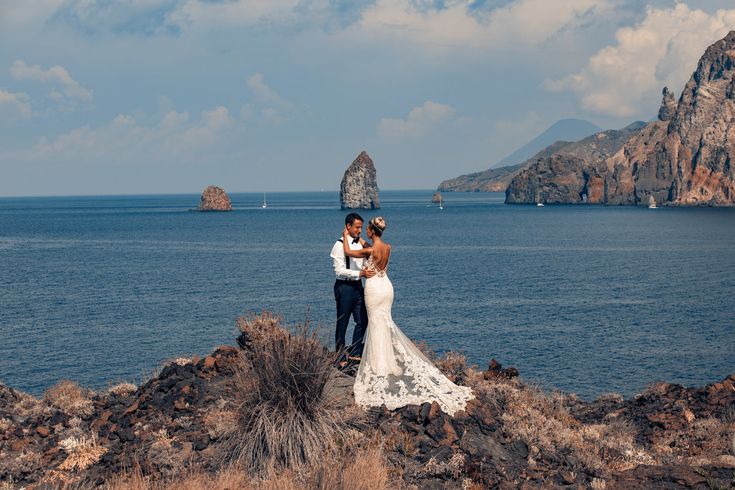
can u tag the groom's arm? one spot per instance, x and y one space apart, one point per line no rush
338 262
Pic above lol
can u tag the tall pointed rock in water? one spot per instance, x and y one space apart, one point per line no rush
359 188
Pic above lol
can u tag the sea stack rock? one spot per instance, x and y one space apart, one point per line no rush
215 199
437 197
359 188
668 105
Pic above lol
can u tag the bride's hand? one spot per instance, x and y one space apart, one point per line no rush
345 233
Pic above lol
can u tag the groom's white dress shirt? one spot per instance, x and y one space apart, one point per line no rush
339 262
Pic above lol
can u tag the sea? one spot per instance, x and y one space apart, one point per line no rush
584 299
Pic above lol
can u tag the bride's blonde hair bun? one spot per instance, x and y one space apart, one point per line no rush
378 225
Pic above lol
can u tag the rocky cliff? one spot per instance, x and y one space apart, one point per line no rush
214 199
359 188
568 183
491 180
684 158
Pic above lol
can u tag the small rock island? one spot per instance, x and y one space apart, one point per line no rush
214 199
359 188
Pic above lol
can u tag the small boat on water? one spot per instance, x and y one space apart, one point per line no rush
651 202
265 203
538 201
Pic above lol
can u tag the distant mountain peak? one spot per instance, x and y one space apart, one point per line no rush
569 129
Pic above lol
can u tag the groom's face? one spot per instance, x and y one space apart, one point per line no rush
355 228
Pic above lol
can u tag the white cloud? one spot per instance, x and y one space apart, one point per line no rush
13 12
256 83
69 92
419 121
121 16
236 13
15 105
456 24
275 108
625 79
126 140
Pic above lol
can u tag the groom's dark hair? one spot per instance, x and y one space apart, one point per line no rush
350 218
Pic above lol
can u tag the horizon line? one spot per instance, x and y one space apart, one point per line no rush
199 193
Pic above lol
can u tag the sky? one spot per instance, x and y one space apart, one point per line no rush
169 96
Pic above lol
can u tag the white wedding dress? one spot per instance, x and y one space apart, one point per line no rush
393 371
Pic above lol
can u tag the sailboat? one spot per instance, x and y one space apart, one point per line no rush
651 202
265 203
441 203
538 202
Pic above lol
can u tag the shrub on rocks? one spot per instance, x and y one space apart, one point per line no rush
287 415
70 398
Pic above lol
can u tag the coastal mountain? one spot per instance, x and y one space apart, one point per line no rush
592 148
499 175
562 130
683 158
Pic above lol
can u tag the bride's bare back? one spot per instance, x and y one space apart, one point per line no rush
380 255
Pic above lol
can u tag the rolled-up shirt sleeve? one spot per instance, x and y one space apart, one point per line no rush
338 262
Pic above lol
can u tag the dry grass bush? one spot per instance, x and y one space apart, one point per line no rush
702 443
220 421
121 389
29 406
229 478
366 469
451 468
454 366
287 410
363 469
258 331
402 442
70 398
544 422
82 452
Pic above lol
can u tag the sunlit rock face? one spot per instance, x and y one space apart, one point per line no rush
214 199
683 158
359 188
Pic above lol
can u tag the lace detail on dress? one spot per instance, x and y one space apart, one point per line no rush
370 264
393 371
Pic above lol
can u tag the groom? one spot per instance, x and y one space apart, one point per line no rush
348 290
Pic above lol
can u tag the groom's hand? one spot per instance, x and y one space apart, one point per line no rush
367 273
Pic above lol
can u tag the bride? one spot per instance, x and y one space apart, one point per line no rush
393 371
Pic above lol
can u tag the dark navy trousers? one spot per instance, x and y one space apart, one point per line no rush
350 298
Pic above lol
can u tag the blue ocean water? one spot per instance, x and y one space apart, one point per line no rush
585 299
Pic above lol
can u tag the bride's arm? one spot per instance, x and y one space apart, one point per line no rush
358 254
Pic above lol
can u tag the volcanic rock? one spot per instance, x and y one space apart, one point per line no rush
359 188
570 173
215 199
685 158
491 180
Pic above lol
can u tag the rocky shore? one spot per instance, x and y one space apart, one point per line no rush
213 422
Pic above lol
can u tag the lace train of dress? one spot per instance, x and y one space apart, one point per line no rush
393 371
